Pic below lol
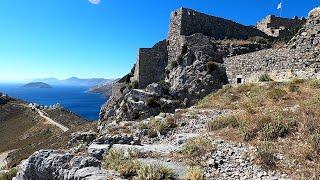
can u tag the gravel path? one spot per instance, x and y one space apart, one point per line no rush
51 121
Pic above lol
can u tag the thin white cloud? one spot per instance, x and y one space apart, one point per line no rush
96 2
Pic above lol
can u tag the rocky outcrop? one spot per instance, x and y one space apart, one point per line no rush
199 71
84 137
137 104
51 164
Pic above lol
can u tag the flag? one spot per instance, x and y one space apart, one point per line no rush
279 5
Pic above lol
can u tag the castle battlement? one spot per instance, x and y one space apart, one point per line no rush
279 27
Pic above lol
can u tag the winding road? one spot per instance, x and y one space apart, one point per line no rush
62 127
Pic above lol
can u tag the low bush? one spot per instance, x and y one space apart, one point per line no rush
276 93
126 166
174 64
133 85
265 154
180 59
275 129
197 147
294 88
155 172
9 175
265 78
165 87
194 173
152 103
222 122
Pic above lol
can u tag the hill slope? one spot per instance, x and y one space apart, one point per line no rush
25 131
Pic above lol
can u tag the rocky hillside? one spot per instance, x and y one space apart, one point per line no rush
23 131
262 130
193 69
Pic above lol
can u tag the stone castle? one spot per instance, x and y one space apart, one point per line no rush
151 62
203 52
280 27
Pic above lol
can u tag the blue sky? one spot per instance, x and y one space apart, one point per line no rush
64 38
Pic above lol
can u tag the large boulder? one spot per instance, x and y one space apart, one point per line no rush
52 165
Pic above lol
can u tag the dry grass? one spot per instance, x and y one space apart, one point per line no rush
25 131
195 148
130 167
194 173
285 114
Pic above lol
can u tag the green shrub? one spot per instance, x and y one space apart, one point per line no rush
194 173
275 129
246 132
197 147
152 102
174 64
180 59
155 172
276 93
265 154
294 88
265 78
134 85
9 175
126 166
212 66
222 122
165 87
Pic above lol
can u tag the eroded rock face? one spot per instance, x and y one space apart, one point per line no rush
199 70
51 164
138 104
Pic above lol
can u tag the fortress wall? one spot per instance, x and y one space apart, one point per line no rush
151 63
280 65
185 22
278 26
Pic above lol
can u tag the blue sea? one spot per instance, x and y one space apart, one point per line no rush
76 99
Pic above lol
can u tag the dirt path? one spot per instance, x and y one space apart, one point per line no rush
62 127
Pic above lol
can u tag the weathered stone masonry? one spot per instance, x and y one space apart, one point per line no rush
280 27
151 63
185 22
299 59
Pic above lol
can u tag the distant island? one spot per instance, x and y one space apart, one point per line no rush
103 88
37 85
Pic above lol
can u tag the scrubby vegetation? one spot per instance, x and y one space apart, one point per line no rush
276 117
133 85
9 175
155 126
194 173
196 148
265 78
130 167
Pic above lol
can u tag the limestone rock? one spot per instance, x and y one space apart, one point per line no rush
51 164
